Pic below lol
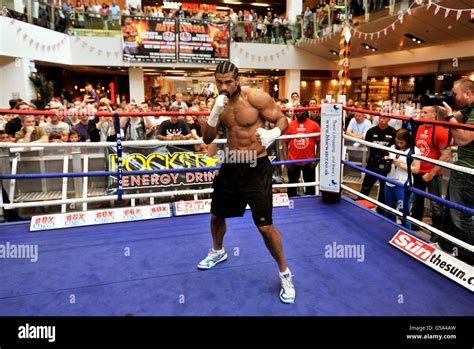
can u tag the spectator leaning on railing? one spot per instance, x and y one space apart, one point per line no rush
30 133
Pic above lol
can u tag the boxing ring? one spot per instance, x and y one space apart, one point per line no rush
149 267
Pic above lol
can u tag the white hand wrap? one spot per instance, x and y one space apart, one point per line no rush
216 111
268 136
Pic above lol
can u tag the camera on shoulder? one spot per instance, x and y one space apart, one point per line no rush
429 100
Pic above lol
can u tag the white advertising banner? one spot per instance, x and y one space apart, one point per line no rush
331 141
130 214
96 217
280 199
184 208
440 261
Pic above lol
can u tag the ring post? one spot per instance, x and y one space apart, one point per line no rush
2 212
119 156
331 153
413 126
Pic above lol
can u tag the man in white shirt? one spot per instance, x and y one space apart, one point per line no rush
358 126
56 125
179 103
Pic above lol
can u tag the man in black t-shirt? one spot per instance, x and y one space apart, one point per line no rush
382 134
175 129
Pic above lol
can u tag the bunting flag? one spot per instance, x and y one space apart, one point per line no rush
401 15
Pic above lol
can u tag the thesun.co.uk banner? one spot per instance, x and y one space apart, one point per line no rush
160 158
203 42
148 39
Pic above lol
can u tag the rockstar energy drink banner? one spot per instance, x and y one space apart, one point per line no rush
203 42
160 158
149 39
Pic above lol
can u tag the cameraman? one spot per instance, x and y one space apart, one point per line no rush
382 134
461 186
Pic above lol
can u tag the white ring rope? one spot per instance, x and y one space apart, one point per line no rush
432 161
132 143
411 219
136 196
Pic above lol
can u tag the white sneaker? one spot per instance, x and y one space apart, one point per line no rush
287 291
212 259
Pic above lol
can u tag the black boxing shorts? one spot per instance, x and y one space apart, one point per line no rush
239 184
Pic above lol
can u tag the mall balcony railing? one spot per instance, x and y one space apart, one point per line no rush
324 20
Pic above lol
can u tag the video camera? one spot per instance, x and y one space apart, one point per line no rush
447 81
429 100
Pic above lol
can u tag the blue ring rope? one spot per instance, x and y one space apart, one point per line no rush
109 173
414 190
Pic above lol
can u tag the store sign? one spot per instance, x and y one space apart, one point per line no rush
186 6
170 5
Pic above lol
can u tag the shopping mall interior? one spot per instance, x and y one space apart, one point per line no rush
398 50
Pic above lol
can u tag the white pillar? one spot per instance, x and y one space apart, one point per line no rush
15 82
134 3
292 82
137 85
293 9
18 6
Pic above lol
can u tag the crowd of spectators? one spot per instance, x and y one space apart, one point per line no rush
76 121
247 25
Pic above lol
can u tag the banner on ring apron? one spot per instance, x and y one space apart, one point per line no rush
103 216
150 158
163 158
436 259
331 136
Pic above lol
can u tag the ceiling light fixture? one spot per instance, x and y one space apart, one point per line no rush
414 38
368 47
